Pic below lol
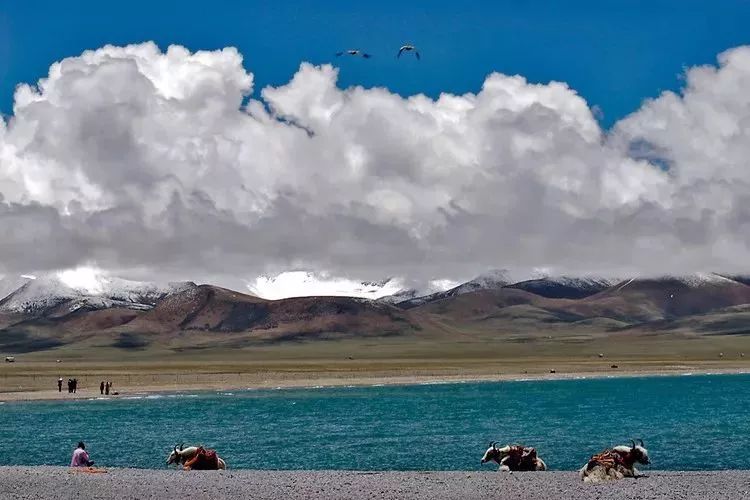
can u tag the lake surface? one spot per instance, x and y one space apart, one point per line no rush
687 423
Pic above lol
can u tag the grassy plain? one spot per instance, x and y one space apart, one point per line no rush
385 360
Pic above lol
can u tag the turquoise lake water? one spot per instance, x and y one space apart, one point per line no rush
687 423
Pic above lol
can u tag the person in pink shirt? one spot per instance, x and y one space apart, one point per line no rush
80 457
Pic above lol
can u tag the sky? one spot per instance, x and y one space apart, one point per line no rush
614 54
225 142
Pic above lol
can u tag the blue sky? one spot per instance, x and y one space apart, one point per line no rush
614 53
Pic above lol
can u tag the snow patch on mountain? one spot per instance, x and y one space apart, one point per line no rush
566 287
408 294
491 280
9 284
697 280
584 282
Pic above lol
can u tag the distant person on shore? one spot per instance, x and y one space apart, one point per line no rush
101 387
70 386
81 457
59 384
106 388
75 385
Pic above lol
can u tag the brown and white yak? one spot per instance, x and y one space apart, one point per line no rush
196 458
514 458
615 463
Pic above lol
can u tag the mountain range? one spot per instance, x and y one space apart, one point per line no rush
44 313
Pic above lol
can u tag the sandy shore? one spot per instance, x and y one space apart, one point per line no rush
61 483
271 382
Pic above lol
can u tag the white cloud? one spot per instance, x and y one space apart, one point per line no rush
304 284
85 278
146 163
310 283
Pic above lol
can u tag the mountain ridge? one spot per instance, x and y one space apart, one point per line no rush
45 313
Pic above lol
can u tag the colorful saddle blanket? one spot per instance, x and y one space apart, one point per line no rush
204 460
607 459
521 459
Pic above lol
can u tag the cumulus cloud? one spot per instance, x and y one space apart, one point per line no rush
157 165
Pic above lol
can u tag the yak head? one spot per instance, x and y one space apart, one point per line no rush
495 454
639 452
633 453
175 455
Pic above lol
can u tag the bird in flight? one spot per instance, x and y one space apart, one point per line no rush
408 48
354 52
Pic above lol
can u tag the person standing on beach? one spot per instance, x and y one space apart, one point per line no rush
75 385
101 387
80 457
59 384
70 386
106 388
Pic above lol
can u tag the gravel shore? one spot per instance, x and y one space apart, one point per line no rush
62 483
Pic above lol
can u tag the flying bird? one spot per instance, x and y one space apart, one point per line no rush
354 52
408 48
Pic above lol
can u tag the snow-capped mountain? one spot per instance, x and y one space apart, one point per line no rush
566 287
38 310
38 294
400 296
139 292
406 294
44 293
696 280
491 280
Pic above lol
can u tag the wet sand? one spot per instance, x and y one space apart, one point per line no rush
61 483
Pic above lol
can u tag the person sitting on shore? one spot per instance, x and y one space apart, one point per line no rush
81 457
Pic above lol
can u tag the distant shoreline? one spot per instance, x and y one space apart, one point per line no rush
363 380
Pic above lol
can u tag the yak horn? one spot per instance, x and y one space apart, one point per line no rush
641 441
183 444
633 443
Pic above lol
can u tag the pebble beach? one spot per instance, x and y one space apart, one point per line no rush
64 483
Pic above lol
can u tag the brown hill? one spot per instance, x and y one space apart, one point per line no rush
209 316
646 300
631 303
